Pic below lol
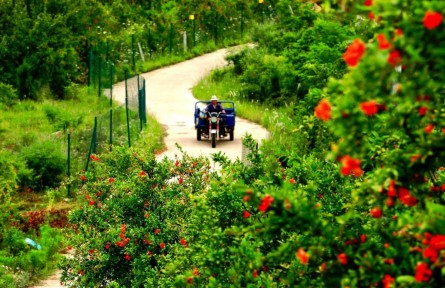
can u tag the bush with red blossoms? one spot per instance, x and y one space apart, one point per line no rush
137 220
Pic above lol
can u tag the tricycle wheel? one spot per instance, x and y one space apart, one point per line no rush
213 140
198 134
231 134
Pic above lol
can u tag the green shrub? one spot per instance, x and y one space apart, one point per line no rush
47 163
8 94
60 119
146 205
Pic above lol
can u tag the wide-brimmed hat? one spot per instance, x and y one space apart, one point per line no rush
214 98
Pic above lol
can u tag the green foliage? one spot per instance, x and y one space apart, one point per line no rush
47 163
61 120
302 50
20 261
8 95
146 205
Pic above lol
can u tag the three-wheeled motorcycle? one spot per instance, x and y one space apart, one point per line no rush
215 125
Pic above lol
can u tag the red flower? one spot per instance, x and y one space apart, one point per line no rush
255 273
292 181
432 19
111 180
183 242
389 202
287 204
91 202
383 43
363 238
265 203
429 128
246 214
181 180
422 110
376 212
423 272
302 256
127 256
123 228
369 108
368 3
162 245
83 178
438 242
394 58
157 231
398 32
323 110
406 198
94 157
430 253
387 281
354 52
392 189
351 166
142 174
342 258
107 246
177 163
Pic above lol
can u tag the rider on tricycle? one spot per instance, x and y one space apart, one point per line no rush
213 121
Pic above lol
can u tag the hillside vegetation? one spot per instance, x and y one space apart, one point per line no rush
348 192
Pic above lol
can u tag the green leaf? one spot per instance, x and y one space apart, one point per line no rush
405 279
435 208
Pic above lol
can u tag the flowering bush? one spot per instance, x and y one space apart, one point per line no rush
132 218
388 116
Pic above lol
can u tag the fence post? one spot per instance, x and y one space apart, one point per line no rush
93 143
149 41
126 108
132 51
111 128
111 84
99 80
90 66
108 52
144 103
184 40
139 104
242 24
69 165
216 29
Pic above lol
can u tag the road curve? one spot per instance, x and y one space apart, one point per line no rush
170 101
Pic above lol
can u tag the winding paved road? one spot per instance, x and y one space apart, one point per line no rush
170 101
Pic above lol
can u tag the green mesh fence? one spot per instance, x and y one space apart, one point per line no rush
121 125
